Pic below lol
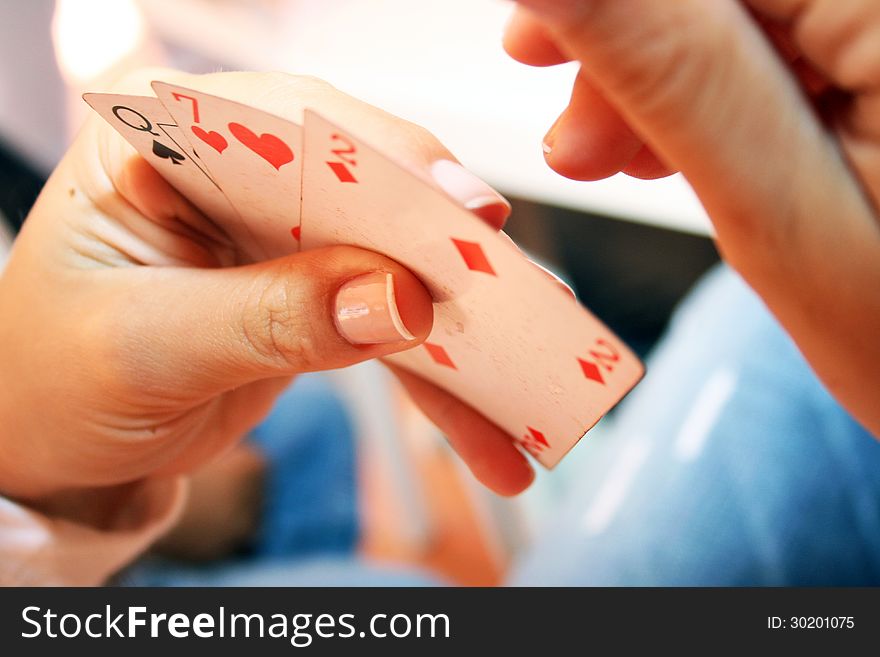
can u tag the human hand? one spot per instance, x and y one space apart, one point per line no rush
136 343
770 110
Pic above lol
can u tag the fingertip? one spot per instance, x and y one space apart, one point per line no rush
495 462
471 191
589 140
414 305
578 151
486 449
491 210
514 482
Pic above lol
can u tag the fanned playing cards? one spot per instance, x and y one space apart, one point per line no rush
507 339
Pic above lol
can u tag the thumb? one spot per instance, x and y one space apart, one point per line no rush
317 310
700 83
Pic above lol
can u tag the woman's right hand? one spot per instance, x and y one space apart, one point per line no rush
770 110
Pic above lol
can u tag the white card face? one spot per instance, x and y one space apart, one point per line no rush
506 338
145 124
255 157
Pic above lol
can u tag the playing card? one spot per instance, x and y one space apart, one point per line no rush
145 124
255 157
507 339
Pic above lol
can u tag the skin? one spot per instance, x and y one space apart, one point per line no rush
144 344
771 110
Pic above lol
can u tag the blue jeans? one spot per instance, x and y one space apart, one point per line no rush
309 525
729 465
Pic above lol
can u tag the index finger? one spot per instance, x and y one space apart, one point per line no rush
410 145
488 451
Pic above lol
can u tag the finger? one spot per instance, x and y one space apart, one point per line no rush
178 231
590 140
779 33
232 416
471 192
703 86
647 166
701 82
841 40
410 145
207 430
527 41
211 330
287 96
839 37
487 450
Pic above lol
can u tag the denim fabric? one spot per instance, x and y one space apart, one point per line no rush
311 500
309 526
729 465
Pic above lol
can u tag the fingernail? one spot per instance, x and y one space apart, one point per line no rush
367 313
550 138
474 194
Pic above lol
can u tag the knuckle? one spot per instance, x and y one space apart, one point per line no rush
275 325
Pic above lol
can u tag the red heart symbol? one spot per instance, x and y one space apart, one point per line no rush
213 139
267 146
